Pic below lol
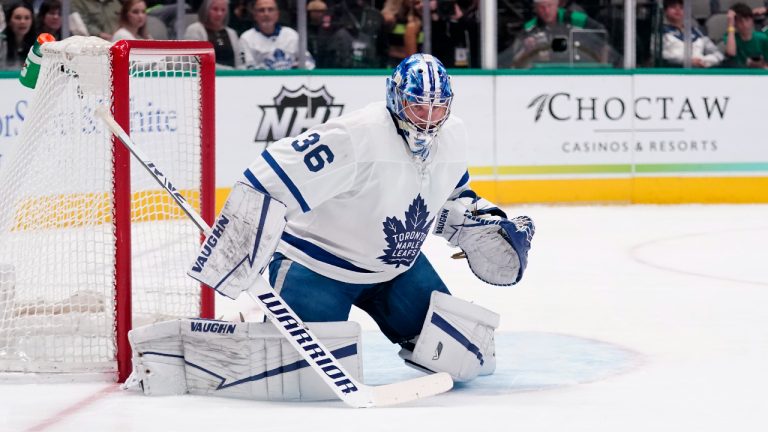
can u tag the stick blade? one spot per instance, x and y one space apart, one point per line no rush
410 390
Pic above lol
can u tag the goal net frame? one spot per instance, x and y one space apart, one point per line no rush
201 54
121 52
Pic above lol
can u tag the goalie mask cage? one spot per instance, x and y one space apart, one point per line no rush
90 244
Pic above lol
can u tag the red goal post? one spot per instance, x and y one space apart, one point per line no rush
121 53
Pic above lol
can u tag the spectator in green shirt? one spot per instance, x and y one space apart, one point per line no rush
546 37
745 46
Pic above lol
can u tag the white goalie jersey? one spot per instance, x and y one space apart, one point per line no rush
359 206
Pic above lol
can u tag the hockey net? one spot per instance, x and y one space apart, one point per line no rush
89 244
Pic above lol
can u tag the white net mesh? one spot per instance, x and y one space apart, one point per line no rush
57 240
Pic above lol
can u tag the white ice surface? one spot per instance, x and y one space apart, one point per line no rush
629 318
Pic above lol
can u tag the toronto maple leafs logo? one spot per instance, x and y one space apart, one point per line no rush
280 60
404 240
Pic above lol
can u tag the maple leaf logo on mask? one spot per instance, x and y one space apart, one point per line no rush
404 240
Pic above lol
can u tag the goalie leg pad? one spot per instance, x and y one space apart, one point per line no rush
254 361
158 359
241 242
238 360
457 338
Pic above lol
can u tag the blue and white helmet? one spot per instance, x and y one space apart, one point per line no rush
419 95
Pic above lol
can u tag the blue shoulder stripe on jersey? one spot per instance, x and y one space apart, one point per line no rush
287 180
255 182
340 353
320 254
453 332
464 180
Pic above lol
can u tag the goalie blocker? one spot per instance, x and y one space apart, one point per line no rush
241 242
243 360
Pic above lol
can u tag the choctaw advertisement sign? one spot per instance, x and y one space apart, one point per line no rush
646 123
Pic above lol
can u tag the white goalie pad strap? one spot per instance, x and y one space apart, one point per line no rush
241 242
158 359
239 360
457 338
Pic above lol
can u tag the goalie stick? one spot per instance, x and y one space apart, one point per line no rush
349 390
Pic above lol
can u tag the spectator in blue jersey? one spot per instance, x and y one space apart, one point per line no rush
704 52
547 37
271 45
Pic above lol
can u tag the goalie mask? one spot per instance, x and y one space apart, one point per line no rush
419 96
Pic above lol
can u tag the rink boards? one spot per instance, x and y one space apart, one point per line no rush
535 136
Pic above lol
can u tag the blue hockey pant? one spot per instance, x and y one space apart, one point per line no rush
398 306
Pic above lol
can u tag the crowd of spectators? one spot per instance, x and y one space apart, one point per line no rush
261 34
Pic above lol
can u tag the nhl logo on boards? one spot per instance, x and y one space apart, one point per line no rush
295 111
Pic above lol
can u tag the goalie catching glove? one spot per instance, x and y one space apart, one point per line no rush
496 248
